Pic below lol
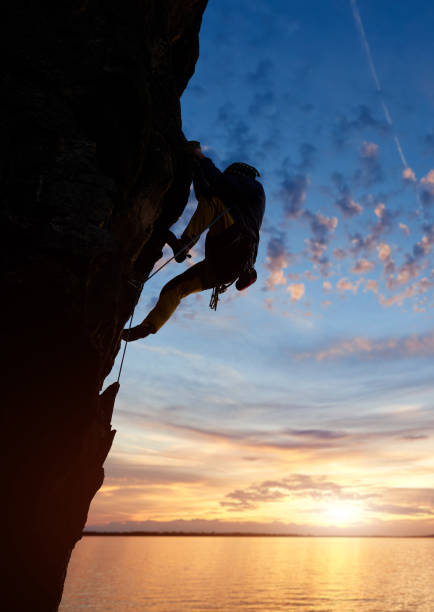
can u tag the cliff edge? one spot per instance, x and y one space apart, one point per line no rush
94 171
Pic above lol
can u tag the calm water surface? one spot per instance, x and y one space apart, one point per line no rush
262 574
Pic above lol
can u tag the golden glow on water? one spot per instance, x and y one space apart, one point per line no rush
186 574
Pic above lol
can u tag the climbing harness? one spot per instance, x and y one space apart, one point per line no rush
174 256
246 278
215 294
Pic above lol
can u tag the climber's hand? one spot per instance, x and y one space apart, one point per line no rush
177 244
181 256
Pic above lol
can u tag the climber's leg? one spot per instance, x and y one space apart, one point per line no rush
171 295
204 215
197 278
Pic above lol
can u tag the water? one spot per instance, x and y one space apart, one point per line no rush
171 574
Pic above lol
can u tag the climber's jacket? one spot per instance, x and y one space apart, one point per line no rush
244 196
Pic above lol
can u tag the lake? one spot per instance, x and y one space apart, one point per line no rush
173 574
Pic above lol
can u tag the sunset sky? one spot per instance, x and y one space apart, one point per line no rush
304 405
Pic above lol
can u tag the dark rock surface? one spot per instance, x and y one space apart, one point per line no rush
94 170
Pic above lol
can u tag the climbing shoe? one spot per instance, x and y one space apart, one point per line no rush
246 278
137 332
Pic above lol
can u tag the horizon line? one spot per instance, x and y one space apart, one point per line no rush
174 533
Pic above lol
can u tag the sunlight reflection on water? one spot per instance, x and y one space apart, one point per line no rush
170 574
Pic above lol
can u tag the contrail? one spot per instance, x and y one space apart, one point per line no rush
374 75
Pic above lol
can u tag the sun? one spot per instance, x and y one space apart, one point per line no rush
343 513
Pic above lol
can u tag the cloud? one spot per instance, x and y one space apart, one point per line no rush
263 104
361 243
365 244
345 201
408 175
371 171
321 225
348 206
197 91
293 193
261 74
339 254
307 154
363 120
423 247
268 303
379 210
362 266
322 434
409 270
277 260
371 285
322 228
133 473
400 509
426 189
384 251
386 348
240 139
429 139
417 288
296 290
369 150
315 487
405 229
345 285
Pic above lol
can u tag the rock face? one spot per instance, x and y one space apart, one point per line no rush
94 171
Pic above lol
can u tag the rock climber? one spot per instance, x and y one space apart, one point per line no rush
235 201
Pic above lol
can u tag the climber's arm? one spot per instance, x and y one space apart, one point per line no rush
202 217
210 181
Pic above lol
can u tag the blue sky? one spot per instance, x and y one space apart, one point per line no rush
305 403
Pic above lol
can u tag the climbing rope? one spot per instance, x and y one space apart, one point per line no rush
140 287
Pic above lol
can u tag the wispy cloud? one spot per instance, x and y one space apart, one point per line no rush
277 260
362 266
363 120
371 171
297 485
426 189
389 348
345 202
293 194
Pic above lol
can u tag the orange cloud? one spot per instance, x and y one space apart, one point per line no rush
408 175
379 210
405 229
362 266
371 285
384 251
345 285
407 346
296 290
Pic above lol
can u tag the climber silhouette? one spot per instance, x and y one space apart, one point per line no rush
232 201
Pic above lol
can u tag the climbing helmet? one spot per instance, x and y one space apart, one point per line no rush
242 169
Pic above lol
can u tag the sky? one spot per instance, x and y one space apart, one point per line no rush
304 404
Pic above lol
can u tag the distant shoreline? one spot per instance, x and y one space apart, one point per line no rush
237 535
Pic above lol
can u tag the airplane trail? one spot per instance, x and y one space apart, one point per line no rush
361 29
